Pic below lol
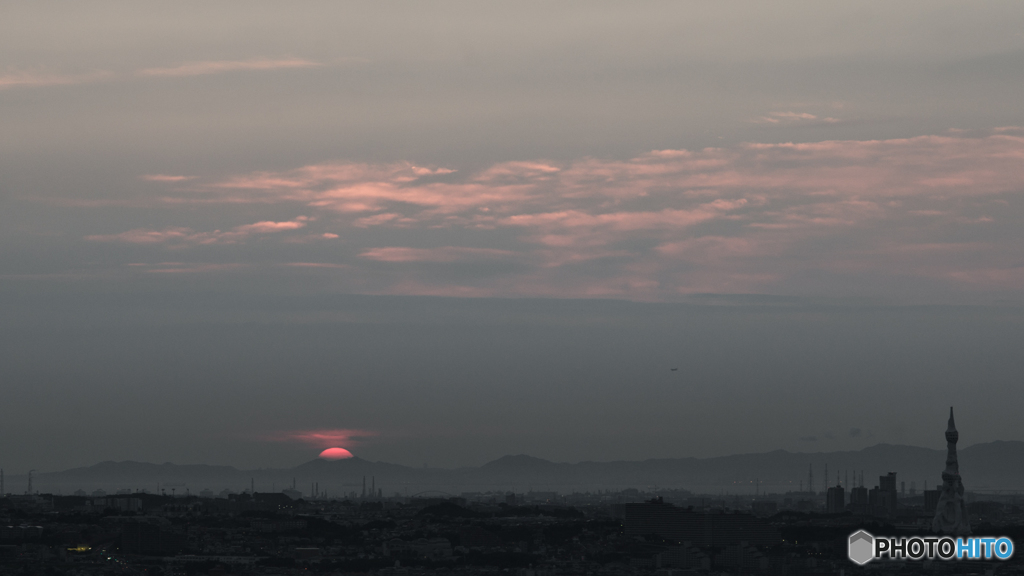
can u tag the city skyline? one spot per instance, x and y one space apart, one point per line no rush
991 469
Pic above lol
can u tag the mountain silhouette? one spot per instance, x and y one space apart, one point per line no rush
988 466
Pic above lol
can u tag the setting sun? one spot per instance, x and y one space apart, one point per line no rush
335 454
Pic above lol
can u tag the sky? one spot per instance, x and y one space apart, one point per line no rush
442 232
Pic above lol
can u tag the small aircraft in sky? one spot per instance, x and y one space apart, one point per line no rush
674 369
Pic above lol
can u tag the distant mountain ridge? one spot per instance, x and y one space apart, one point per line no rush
988 466
129 468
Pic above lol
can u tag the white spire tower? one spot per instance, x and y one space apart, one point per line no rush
951 512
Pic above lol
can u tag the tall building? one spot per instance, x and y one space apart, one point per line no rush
951 509
887 482
859 500
881 500
931 500
835 500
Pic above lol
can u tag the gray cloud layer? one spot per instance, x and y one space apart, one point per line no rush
173 175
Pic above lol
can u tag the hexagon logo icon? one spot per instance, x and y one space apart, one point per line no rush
861 546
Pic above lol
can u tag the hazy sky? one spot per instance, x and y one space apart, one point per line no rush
239 232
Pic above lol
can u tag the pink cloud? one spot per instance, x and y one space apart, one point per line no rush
166 178
627 221
443 254
34 79
143 236
323 438
221 66
795 115
750 217
189 236
377 219
269 226
792 117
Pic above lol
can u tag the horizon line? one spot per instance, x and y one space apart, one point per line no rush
356 457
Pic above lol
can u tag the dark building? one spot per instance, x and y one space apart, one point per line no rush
859 501
702 529
931 501
835 500
652 517
881 503
887 482
882 499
